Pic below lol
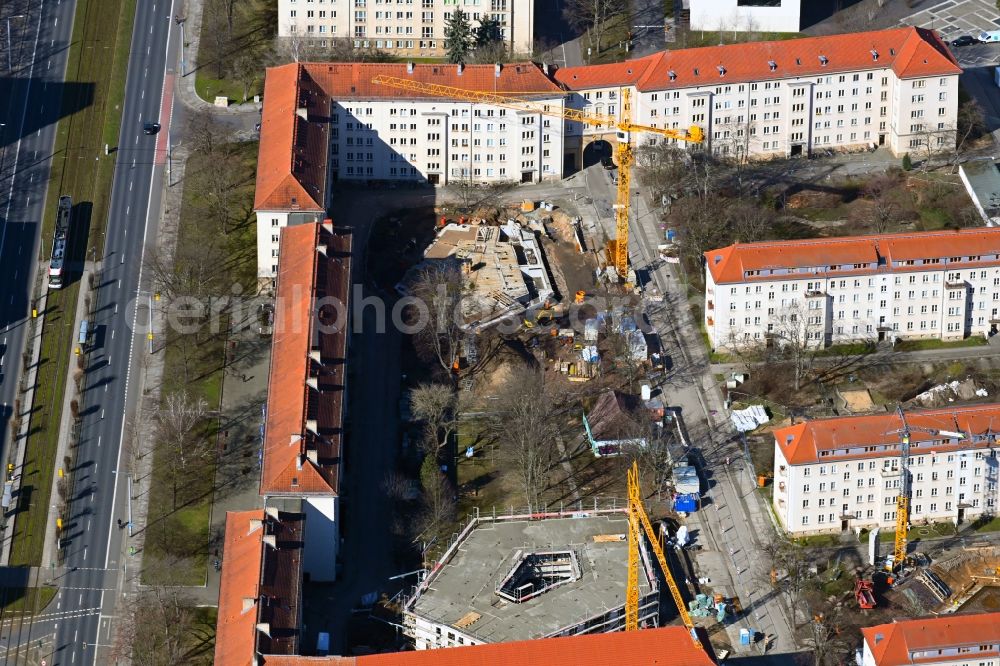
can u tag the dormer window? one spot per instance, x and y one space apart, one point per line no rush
672 74
696 71
874 55
772 65
722 70
798 61
823 60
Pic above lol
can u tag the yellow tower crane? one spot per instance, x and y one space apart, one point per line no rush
623 124
638 523
903 499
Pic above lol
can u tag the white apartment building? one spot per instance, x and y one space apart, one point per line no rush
835 474
941 285
945 640
403 27
897 88
745 15
323 123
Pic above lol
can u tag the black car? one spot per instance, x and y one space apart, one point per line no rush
608 163
150 128
964 40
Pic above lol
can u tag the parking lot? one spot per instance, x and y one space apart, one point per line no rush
953 18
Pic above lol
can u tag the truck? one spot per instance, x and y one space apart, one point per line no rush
988 37
60 241
687 486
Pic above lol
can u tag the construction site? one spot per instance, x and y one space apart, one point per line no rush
520 577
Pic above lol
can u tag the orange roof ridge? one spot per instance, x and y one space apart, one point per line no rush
802 442
895 643
909 51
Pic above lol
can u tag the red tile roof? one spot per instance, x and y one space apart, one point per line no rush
291 162
910 52
354 80
803 442
730 264
894 644
648 647
242 553
304 276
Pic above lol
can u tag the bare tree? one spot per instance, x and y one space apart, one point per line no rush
246 69
206 134
970 124
879 191
293 47
216 48
161 628
524 423
593 16
178 434
440 289
438 495
436 405
736 143
790 571
470 196
798 335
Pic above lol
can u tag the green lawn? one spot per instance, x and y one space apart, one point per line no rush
98 58
988 525
714 38
917 532
818 541
30 601
176 551
209 88
922 345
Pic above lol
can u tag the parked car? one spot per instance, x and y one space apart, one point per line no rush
989 37
608 163
964 40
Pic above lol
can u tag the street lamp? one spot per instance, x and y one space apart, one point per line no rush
10 61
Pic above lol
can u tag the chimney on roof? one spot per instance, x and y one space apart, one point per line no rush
315 355
328 225
718 258
271 540
295 439
248 603
409 67
545 68
788 439
302 113
313 456
312 426
271 512
312 383
496 70
321 248
460 68
255 524
264 628
298 468
874 55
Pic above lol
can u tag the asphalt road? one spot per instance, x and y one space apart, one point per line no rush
95 545
30 90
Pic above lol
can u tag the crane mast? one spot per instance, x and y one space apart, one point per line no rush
624 151
637 519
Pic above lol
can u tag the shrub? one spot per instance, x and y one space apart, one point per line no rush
907 162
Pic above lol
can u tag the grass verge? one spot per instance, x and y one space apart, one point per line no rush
177 549
30 600
818 541
992 525
209 88
924 345
90 116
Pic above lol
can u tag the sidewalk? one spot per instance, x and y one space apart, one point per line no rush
26 380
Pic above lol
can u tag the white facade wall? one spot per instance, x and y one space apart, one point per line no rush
746 15
429 635
939 654
792 116
923 303
862 490
403 27
441 142
269 226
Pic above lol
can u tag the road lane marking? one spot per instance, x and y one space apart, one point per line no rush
128 209
49 66
130 183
